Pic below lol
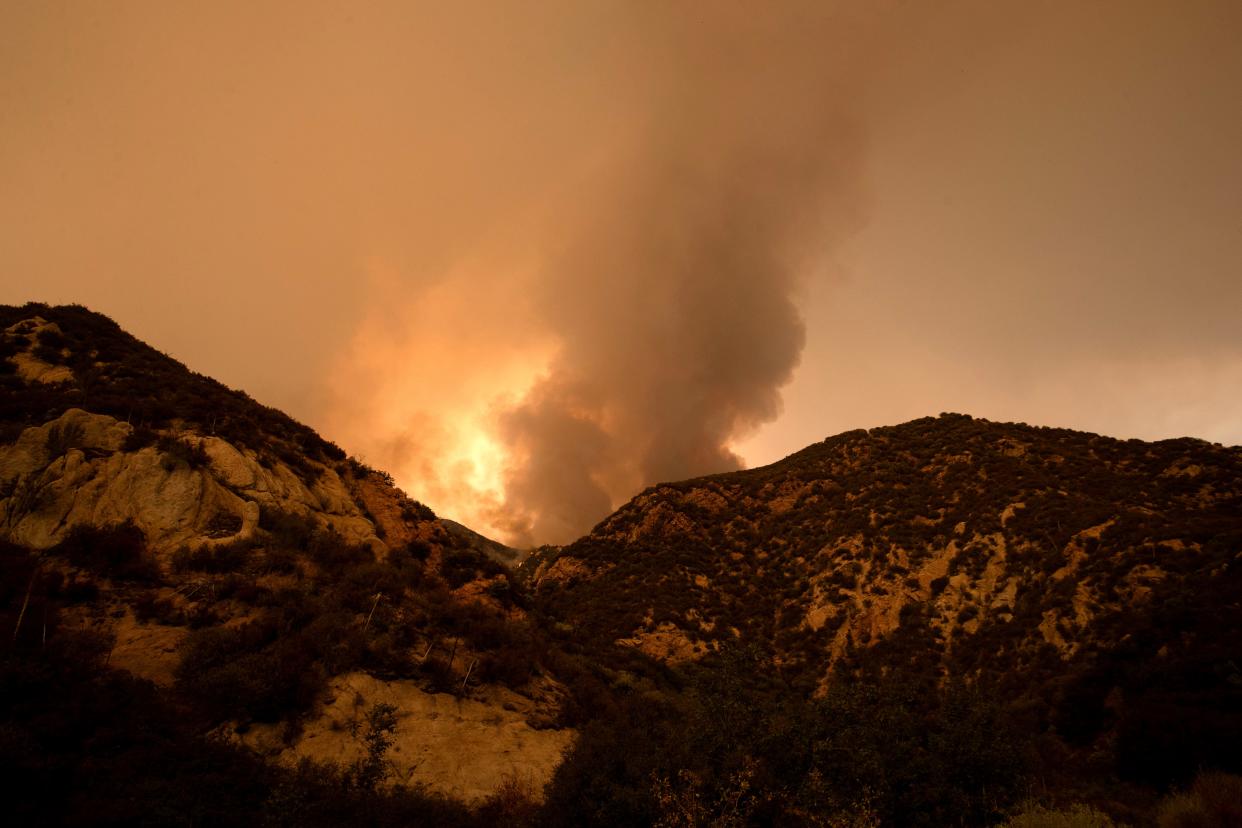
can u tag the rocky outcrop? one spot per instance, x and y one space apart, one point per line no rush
29 367
464 747
563 570
76 470
667 643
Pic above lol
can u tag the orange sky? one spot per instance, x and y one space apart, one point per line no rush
533 256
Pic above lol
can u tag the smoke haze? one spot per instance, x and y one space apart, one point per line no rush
533 256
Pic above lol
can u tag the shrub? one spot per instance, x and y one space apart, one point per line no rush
515 804
293 457
1213 801
334 554
288 529
250 672
278 559
509 666
178 451
369 771
1076 816
241 589
78 590
52 338
223 524
148 606
413 511
62 437
49 347
139 438
118 551
438 674
460 566
221 558
419 550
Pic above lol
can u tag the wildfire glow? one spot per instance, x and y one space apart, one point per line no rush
417 390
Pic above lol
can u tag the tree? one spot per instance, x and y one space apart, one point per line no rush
372 769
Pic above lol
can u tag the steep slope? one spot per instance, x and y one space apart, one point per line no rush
506 555
239 561
1090 578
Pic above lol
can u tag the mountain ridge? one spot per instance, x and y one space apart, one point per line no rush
1028 557
955 604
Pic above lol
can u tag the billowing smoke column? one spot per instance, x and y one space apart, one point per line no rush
600 292
672 297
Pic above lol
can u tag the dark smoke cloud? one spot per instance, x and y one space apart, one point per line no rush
673 296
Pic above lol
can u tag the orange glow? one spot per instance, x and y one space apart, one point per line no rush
460 349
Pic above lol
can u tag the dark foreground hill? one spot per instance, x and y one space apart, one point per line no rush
210 615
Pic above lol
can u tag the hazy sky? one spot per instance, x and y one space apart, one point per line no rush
532 256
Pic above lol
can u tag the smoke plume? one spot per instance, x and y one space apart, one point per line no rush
672 298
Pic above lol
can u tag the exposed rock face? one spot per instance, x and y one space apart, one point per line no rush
29 367
75 470
463 747
564 570
148 651
667 643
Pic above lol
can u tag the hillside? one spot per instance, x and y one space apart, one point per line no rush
262 584
218 618
1093 583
